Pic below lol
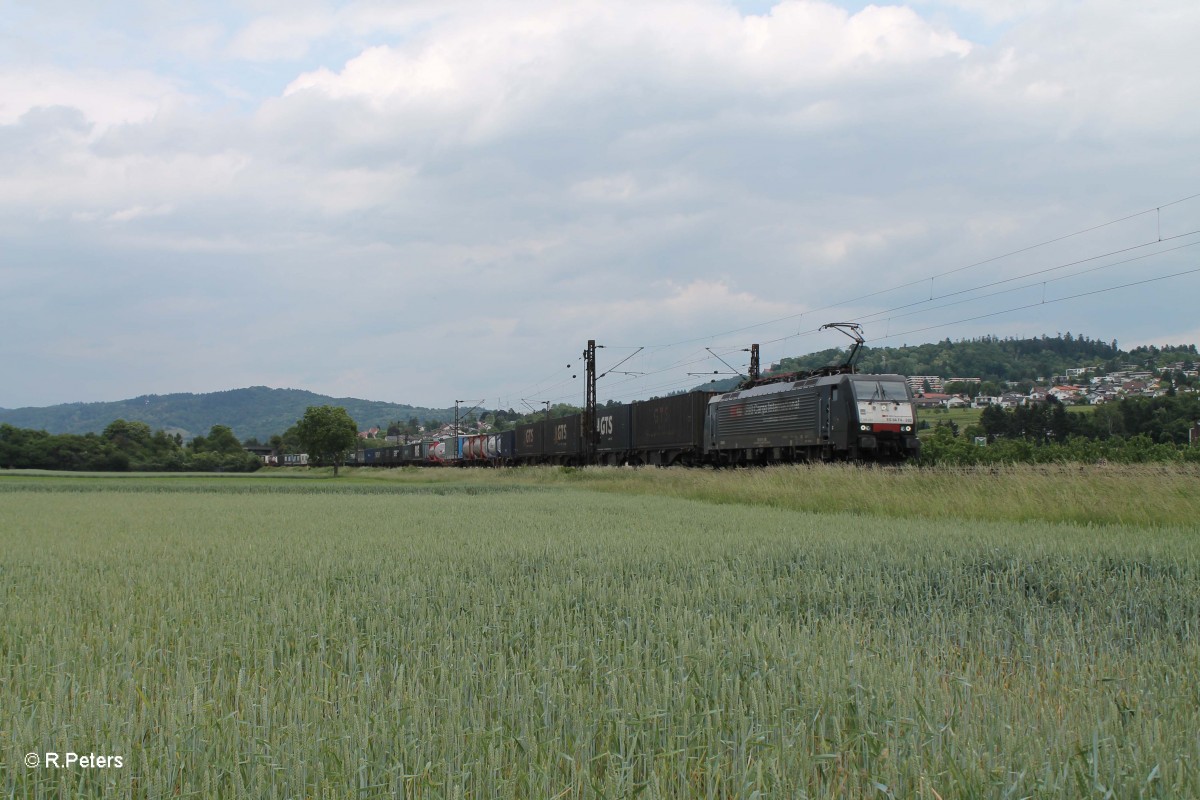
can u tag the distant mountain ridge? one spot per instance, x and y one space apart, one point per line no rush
256 411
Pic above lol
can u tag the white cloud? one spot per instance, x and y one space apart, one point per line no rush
106 99
80 184
485 75
839 247
993 11
286 36
503 181
136 212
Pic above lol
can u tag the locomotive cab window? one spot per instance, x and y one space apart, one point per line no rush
881 391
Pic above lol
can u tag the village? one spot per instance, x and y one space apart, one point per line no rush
1079 386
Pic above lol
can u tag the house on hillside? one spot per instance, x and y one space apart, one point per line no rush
1065 393
931 400
1013 400
919 382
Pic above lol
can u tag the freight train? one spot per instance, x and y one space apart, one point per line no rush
819 417
832 413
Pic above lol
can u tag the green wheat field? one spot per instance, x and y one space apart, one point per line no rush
785 633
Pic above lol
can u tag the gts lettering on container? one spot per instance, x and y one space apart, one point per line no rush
560 433
604 426
529 437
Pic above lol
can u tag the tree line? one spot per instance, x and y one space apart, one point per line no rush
124 446
325 432
1133 430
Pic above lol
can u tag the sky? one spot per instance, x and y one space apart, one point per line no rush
423 202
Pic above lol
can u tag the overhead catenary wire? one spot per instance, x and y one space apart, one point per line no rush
918 281
877 315
1048 302
918 303
630 385
932 297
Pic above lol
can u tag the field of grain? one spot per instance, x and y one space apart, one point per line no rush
563 634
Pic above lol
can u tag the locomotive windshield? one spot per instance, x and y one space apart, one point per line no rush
880 391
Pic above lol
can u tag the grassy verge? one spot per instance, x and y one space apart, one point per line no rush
1139 495
1136 495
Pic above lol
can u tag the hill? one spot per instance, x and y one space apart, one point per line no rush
257 412
989 358
995 359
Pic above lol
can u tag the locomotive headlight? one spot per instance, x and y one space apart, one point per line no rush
864 427
906 428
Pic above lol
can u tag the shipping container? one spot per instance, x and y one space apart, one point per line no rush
670 423
614 431
504 442
473 447
563 437
530 441
440 451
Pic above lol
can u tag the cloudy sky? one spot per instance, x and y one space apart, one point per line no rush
425 202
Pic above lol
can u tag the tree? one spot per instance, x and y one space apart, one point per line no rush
127 435
327 433
994 422
221 451
220 439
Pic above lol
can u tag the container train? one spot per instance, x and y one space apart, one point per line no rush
827 416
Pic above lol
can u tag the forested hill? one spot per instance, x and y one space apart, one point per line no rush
995 359
257 412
